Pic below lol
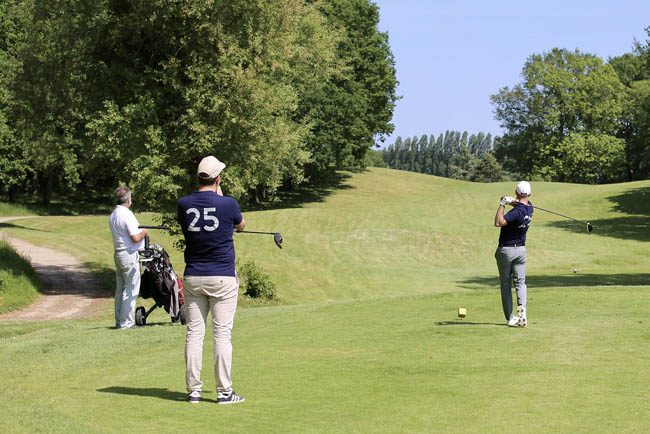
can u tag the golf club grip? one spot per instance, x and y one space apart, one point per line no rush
153 227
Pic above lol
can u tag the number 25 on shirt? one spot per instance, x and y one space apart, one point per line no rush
206 218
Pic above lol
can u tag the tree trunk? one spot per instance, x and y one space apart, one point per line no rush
13 193
46 188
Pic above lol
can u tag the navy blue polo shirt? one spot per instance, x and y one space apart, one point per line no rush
208 221
519 219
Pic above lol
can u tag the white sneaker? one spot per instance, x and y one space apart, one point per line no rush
194 397
513 322
523 321
233 398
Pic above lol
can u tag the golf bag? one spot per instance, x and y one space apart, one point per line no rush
160 282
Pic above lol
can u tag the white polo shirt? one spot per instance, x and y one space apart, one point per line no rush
124 224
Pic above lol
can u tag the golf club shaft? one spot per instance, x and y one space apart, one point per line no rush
561 215
254 232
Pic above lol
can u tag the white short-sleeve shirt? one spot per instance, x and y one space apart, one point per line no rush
124 224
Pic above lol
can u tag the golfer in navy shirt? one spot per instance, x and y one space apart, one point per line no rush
208 219
511 253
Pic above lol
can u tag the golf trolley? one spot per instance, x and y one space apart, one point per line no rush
160 282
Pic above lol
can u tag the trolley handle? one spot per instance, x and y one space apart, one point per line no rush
146 239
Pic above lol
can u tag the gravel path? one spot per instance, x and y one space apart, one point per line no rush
70 290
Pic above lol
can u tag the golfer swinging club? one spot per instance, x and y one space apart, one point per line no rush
511 253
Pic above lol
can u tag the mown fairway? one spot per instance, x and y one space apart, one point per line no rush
366 338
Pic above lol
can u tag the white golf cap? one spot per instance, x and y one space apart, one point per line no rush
523 188
210 168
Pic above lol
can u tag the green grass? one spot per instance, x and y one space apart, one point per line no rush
71 206
366 337
19 285
12 209
393 365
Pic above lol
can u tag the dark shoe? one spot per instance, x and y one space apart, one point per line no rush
194 397
233 398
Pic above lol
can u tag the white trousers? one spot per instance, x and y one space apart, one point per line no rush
215 295
127 279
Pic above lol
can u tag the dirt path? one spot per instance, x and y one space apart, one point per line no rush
70 290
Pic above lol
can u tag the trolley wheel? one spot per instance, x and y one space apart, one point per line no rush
181 314
140 316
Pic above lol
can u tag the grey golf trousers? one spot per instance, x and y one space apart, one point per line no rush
512 266
215 296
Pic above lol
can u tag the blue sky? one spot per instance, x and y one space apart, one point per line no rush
452 55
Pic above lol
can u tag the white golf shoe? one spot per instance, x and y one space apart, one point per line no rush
523 321
513 322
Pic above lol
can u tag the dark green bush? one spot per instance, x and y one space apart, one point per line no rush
255 282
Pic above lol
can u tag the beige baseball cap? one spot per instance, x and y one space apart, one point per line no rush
210 168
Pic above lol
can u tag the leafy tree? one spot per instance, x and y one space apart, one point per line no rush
629 67
374 159
355 106
635 130
14 166
49 90
643 51
562 93
589 158
139 91
488 169
634 72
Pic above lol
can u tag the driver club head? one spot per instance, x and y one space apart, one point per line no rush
590 228
277 237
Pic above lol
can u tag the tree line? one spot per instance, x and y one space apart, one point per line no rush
97 93
452 155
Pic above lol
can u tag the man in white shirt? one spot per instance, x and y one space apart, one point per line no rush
127 240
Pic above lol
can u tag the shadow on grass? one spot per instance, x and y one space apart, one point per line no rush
635 228
16 265
151 392
469 323
8 225
634 202
305 194
565 280
104 274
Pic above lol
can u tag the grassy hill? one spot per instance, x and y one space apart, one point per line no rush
366 338
386 233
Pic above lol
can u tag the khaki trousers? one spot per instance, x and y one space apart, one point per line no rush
215 295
